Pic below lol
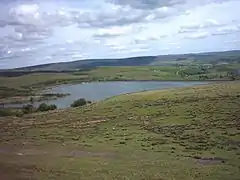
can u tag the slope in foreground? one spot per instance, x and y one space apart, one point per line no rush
186 133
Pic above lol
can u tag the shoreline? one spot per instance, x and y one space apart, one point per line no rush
131 80
54 96
48 96
26 99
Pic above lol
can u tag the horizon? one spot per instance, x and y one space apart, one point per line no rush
193 53
44 32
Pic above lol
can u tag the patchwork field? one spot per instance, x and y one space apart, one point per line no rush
184 133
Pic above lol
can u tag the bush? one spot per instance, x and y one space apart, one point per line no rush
29 108
52 107
79 102
44 107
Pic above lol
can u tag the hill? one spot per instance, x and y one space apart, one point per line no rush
185 133
163 60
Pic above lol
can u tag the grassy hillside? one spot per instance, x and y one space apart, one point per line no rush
186 133
19 86
162 60
188 72
38 80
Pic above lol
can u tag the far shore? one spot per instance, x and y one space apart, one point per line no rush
21 100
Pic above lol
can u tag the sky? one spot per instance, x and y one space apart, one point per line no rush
46 31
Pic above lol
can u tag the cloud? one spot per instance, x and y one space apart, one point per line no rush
226 30
29 22
209 23
113 31
146 39
198 35
32 31
161 13
148 4
39 19
120 17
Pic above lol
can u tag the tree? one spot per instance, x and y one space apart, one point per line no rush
44 107
52 107
29 108
31 100
79 102
232 75
203 77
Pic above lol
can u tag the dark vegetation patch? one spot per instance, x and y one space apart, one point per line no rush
80 102
209 160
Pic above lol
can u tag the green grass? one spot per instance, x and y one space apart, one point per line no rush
18 89
134 73
192 72
38 80
167 134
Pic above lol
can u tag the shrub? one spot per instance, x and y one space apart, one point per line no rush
79 102
31 100
44 107
52 107
29 108
19 113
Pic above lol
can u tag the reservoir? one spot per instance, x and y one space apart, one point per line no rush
96 91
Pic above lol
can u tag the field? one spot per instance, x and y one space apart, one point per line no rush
38 80
134 73
184 133
175 72
20 88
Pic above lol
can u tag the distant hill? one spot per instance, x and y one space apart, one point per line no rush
208 57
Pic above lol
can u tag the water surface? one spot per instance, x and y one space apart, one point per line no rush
96 91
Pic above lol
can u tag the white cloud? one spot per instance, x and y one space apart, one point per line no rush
198 35
226 30
209 23
70 30
114 31
146 4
